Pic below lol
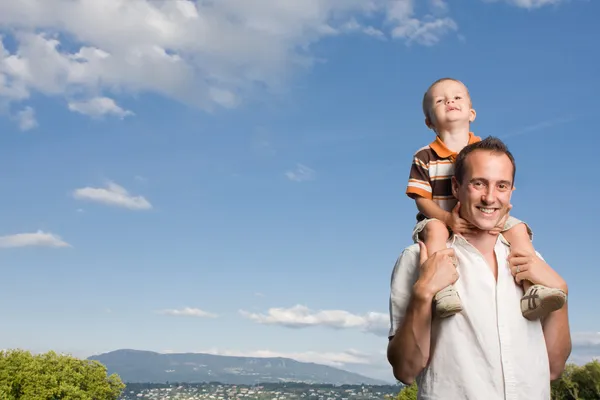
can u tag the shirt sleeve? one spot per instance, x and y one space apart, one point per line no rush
418 180
404 276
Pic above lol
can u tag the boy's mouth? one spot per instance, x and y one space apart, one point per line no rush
452 109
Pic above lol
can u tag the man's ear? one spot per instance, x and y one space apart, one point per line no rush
455 187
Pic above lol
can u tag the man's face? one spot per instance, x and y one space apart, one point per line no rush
486 188
449 104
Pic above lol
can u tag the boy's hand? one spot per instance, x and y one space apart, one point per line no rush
456 223
500 225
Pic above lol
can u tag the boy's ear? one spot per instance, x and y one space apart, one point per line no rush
472 115
428 123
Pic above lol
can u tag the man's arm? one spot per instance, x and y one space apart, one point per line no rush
558 338
408 349
556 325
414 283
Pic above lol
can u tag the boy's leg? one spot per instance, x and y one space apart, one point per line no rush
434 235
538 301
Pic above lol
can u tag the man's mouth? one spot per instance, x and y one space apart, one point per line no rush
487 210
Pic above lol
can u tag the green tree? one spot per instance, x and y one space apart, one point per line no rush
50 376
408 392
578 383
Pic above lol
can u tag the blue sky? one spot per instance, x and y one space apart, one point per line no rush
230 178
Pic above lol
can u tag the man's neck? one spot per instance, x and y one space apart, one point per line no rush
455 138
482 241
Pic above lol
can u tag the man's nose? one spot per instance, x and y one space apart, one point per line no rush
489 196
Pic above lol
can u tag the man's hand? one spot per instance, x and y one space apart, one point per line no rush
530 267
456 223
500 225
436 272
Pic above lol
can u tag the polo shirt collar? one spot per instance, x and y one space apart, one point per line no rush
439 147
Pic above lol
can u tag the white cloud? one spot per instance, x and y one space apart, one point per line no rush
586 347
36 239
112 195
301 173
207 54
26 119
188 312
424 32
530 4
335 359
586 338
99 106
300 316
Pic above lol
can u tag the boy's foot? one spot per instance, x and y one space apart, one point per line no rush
540 301
447 302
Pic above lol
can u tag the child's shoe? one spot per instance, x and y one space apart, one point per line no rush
447 302
540 301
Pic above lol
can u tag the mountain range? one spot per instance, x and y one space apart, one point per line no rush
136 366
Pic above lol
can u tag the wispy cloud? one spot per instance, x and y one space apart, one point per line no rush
300 316
112 195
26 119
551 123
586 347
529 4
99 106
36 239
302 173
336 359
188 312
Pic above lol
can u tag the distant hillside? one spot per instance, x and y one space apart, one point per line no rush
147 366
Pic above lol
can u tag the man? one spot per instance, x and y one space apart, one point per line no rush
488 351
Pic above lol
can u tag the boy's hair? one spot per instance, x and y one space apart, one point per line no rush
426 105
490 143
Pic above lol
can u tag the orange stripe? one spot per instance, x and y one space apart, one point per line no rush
419 192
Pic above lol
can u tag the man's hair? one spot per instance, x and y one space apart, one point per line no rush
491 144
426 96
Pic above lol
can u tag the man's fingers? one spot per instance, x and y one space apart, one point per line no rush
518 260
422 253
519 269
521 276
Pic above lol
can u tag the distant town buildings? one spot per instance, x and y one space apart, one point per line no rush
286 391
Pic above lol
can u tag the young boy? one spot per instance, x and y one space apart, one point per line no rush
449 113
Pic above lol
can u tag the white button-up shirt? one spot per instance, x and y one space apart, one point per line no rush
488 351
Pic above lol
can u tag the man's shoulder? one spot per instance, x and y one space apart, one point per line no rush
408 258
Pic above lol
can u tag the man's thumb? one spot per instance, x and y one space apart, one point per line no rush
422 253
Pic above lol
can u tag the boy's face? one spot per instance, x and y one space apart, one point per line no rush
449 105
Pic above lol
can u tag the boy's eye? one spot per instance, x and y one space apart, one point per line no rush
457 97
438 101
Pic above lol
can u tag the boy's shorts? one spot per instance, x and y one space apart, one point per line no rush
510 222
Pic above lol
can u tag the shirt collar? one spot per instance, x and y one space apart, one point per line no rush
457 237
439 147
